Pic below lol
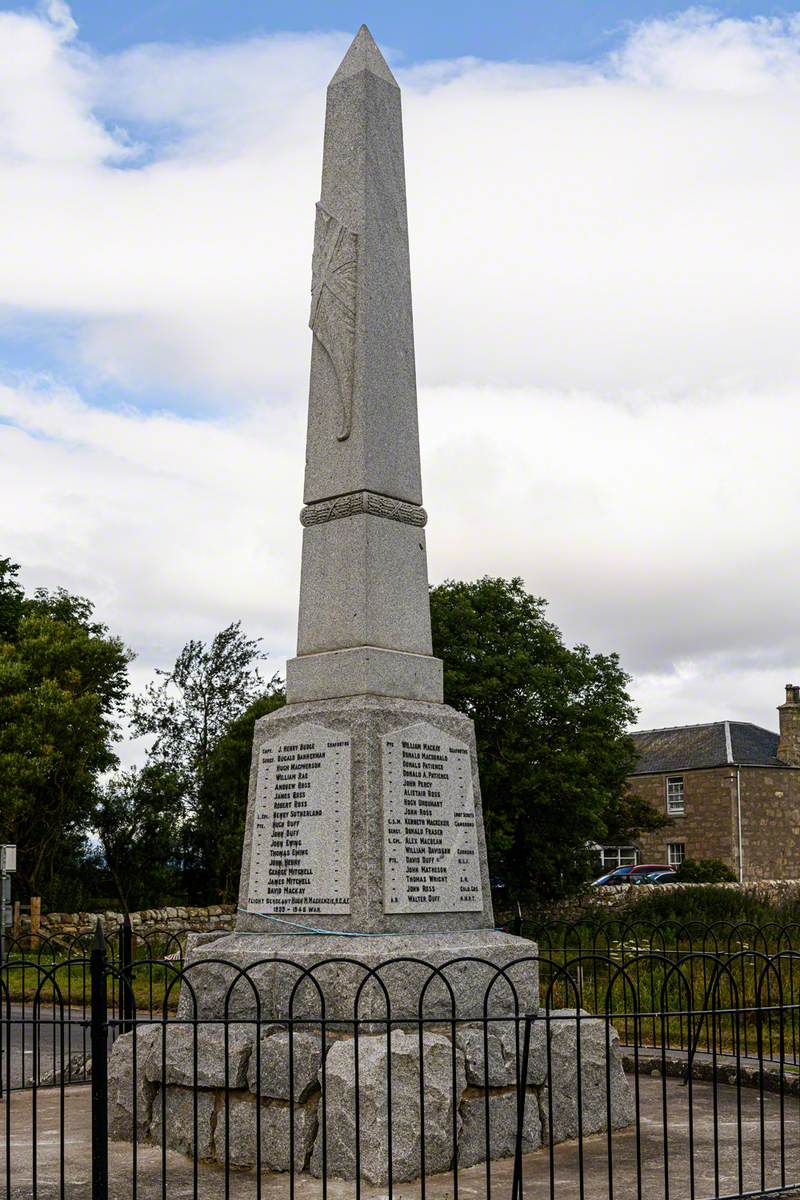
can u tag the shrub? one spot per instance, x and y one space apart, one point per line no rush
704 870
676 908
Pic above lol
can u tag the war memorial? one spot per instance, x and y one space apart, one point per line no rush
365 942
365 1030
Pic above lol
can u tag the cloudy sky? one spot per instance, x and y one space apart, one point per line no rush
604 205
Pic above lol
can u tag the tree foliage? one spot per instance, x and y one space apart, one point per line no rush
188 711
704 870
551 725
63 682
12 600
201 716
137 819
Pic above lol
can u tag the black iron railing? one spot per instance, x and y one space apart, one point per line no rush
605 1068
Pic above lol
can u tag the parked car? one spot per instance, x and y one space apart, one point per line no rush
613 877
661 876
629 874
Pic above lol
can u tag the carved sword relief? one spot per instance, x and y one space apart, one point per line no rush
333 304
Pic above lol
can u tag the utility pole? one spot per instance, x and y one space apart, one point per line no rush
8 865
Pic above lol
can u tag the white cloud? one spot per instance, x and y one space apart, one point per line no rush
672 547
606 280
45 107
167 522
612 227
641 540
700 52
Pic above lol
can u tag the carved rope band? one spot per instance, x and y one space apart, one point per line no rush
363 502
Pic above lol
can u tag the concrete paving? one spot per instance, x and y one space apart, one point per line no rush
689 1167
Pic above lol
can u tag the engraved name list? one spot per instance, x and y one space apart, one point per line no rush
301 830
430 837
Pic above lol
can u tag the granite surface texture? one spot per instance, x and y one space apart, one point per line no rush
277 1121
365 720
501 1136
364 671
364 582
274 977
358 1094
471 1103
363 188
363 502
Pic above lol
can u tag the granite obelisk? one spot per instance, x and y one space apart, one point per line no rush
364 614
364 814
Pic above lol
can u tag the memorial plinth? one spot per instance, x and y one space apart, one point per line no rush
364 841
364 811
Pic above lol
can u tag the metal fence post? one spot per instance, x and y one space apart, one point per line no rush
4 875
522 1084
3 1027
99 1044
126 1006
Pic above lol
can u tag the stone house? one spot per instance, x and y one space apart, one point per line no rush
731 791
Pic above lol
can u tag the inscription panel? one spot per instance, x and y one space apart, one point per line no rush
300 855
430 837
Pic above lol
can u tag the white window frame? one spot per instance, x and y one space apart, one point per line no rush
676 853
612 857
676 800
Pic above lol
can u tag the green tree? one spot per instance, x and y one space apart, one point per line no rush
12 600
200 715
137 819
187 712
63 683
551 726
704 870
215 833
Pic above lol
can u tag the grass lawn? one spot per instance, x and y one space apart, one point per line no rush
68 983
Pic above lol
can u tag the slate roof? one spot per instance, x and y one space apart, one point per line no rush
719 744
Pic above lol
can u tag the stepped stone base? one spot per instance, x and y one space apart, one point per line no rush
398 976
312 1116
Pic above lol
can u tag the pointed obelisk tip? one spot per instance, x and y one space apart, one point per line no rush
363 55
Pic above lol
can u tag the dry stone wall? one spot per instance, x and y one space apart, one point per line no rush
222 917
625 898
176 920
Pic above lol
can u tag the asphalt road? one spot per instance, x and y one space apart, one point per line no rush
25 1043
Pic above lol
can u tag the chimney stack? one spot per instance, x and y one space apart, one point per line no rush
789 716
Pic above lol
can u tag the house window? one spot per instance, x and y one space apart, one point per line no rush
676 852
612 857
675 804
